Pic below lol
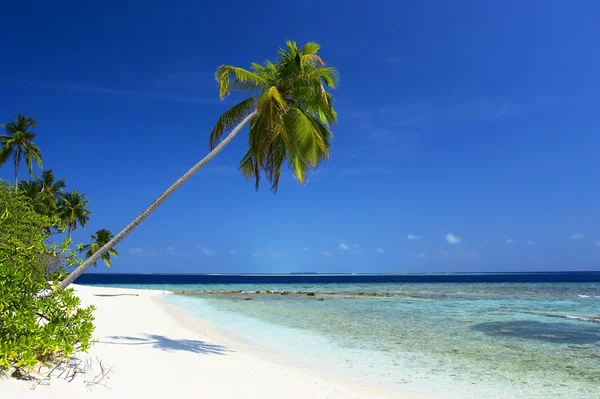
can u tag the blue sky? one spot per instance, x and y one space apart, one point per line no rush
467 136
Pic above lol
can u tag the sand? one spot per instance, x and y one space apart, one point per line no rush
148 350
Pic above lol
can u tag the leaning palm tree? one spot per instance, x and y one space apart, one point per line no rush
18 142
72 210
288 110
100 239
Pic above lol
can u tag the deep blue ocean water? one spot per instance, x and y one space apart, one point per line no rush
501 335
530 277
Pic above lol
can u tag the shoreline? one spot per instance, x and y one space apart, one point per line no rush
149 348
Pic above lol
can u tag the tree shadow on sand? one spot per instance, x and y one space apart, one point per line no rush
169 345
567 333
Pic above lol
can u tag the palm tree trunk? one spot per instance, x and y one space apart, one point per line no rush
17 161
129 228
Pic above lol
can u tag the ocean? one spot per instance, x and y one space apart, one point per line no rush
469 335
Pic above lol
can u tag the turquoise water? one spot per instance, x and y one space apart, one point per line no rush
456 339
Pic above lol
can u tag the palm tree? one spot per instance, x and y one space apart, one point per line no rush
18 142
32 190
289 111
51 191
100 239
72 210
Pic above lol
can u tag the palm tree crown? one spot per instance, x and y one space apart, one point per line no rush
72 210
51 191
293 112
18 142
102 237
32 190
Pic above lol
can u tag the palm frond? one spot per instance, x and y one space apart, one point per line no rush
275 159
250 168
271 103
5 153
232 78
329 75
230 119
310 48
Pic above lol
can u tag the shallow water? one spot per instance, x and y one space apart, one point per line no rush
463 340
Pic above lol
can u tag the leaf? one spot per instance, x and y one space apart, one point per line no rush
310 48
231 118
232 78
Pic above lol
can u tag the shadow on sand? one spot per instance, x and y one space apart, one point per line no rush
567 333
169 345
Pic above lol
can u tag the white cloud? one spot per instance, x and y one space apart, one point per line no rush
233 252
510 241
137 251
597 242
380 251
344 246
421 255
458 255
326 253
577 236
275 254
452 239
530 242
413 237
256 253
144 252
205 250
306 248
356 252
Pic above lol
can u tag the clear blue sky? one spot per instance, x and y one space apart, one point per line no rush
471 127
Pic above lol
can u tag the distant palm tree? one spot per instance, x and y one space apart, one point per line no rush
101 238
18 142
51 191
72 210
289 111
33 191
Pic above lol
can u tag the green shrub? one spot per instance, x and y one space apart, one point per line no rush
38 321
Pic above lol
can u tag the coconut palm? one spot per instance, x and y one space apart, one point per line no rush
100 239
72 210
32 190
51 191
289 111
18 142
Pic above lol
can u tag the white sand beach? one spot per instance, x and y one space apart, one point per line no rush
153 351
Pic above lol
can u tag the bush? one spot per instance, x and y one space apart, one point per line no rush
38 321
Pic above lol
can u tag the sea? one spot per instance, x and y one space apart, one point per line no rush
454 335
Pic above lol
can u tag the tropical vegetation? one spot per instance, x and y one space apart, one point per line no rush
39 322
18 143
98 240
34 327
72 210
